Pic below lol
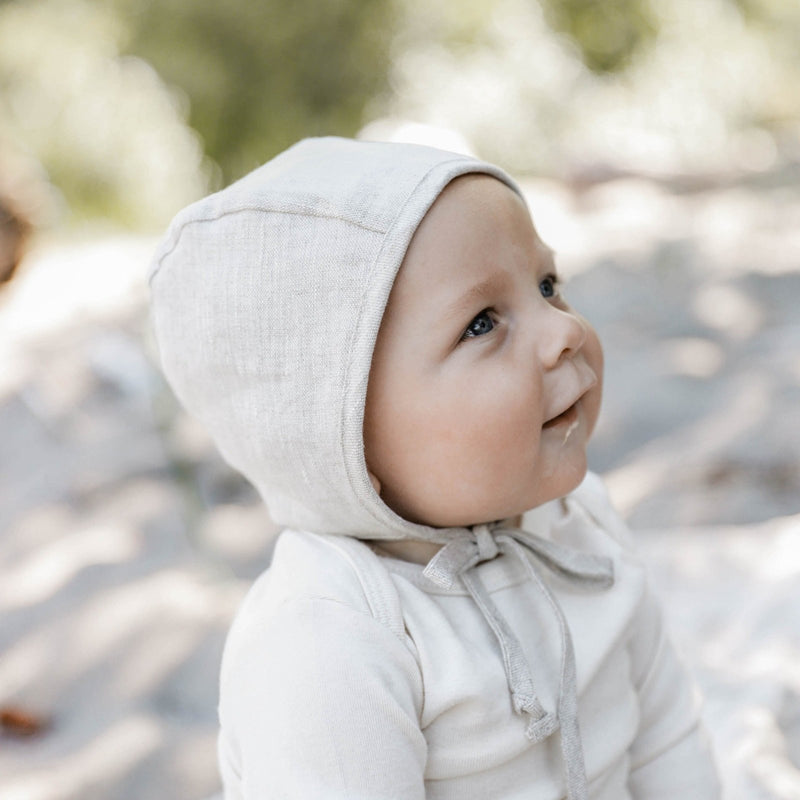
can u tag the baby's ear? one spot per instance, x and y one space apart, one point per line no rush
376 484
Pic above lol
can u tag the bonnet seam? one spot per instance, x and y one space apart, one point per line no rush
240 210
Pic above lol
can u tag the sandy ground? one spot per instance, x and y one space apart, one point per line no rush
125 544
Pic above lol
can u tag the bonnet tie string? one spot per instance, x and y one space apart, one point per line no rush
458 558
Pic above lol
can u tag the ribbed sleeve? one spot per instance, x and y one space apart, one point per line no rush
322 701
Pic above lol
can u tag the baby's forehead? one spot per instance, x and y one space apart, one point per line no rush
478 187
481 194
476 203
475 244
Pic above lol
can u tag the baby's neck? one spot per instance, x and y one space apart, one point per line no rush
414 550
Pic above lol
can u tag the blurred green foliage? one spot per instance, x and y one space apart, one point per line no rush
108 136
135 107
261 75
778 22
608 33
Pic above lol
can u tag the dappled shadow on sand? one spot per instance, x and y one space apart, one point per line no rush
126 543
697 312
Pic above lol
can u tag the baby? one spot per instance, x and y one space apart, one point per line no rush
376 337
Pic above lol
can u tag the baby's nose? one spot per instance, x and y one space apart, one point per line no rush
564 336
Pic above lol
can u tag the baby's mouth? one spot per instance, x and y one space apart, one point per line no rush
566 422
566 417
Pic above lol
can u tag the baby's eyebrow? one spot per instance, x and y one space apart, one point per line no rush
478 293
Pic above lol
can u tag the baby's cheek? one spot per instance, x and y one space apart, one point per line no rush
510 428
593 351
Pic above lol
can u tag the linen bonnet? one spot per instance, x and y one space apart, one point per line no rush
266 302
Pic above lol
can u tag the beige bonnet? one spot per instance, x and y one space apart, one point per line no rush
266 300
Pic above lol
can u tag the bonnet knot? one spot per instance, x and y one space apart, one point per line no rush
487 546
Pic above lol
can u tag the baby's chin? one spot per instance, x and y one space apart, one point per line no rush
512 513
568 471
554 486
572 470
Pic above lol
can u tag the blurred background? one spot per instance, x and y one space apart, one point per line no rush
658 142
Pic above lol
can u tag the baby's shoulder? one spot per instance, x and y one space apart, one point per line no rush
322 617
309 568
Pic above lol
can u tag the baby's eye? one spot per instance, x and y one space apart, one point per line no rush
549 286
482 324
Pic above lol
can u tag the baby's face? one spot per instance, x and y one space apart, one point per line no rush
485 385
